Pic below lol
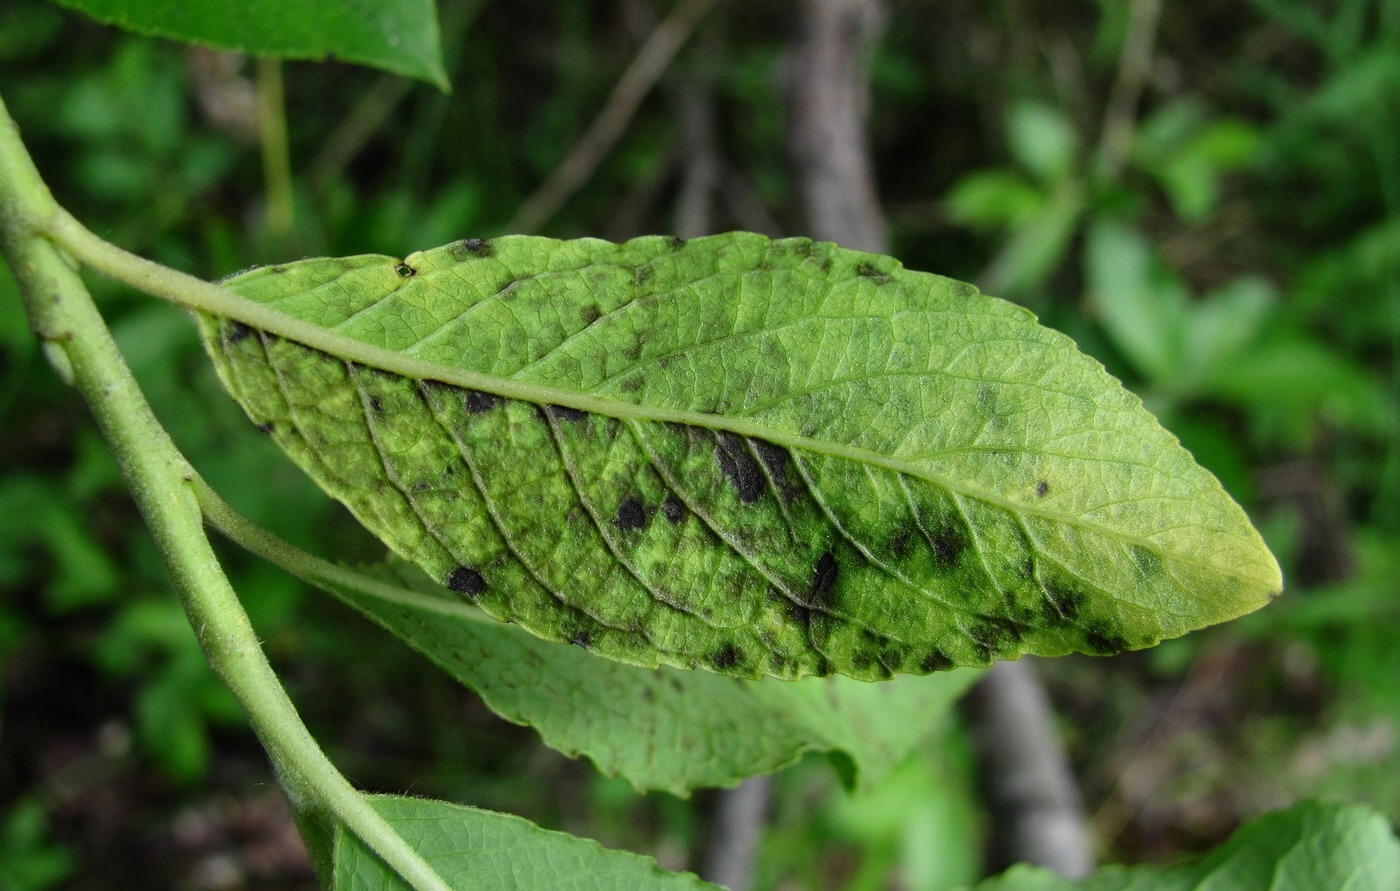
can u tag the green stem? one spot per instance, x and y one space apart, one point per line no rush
63 316
315 571
276 155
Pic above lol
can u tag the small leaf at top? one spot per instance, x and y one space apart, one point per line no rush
753 456
396 35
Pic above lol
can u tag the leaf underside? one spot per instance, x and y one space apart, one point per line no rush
758 457
668 729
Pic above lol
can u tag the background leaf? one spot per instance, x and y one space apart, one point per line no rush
472 848
1306 847
759 457
397 35
668 729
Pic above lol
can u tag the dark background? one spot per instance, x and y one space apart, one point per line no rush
1208 200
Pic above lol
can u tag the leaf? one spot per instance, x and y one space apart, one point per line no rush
472 848
1307 847
1043 140
396 35
669 730
1144 313
758 457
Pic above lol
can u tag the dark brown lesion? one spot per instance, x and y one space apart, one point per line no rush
631 515
467 581
740 467
479 402
1102 638
472 247
235 331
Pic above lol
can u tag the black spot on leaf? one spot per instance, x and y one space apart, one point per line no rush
1041 488
936 660
631 384
902 541
824 578
465 580
673 509
479 402
641 274
265 428
1103 639
581 638
1063 601
774 457
726 657
630 515
375 405
866 270
236 331
949 541
589 314
676 242
564 413
476 247
740 467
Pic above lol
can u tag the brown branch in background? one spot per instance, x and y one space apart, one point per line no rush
600 137
828 103
700 165
736 827
1036 813
1120 118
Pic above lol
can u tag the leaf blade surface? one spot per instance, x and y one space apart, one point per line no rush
754 456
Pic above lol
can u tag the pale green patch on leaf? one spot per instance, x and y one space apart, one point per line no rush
471 848
396 35
753 456
1305 848
669 730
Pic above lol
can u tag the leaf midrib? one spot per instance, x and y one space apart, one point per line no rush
349 349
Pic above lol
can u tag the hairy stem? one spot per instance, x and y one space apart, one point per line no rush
63 316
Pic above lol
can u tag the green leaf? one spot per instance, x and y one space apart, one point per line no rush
472 848
1144 312
396 35
993 199
1037 247
669 730
758 457
1307 847
1043 140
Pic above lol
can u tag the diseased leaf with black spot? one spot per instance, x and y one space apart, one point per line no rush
757 457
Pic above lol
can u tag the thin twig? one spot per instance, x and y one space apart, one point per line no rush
1120 118
355 131
600 137
276 154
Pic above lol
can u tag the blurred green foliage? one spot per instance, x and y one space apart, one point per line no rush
1237 263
